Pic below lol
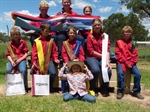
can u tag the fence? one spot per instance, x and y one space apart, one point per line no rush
143 50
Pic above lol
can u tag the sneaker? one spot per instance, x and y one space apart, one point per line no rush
138 95
119 95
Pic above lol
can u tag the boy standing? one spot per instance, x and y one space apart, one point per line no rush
127 58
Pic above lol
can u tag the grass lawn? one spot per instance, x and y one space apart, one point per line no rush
54 103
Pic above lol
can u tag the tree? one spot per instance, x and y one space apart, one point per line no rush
141 7
114 24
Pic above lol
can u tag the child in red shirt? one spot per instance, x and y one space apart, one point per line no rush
127 58
45 54
17 52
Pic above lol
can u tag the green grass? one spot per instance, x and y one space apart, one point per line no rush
54 103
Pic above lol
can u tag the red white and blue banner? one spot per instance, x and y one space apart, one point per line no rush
80 22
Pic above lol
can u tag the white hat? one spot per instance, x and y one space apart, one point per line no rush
75 62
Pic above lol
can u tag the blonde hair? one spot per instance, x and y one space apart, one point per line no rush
127 28
14 30
89 7
44 4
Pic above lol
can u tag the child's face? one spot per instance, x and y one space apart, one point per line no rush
15 35
97 26
45 32
76 68
43 10
71 34
127 34
87 11
66 3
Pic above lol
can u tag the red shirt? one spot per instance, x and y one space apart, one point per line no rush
19 49
130 58
95 44
54 52
37 24
84 33
70 12
60 13
72 46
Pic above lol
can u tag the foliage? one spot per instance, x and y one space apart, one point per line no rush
5 38
115 22
141 7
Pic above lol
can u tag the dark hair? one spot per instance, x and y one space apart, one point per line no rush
73 28
45 25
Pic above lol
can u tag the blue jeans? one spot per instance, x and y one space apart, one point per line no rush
137 77
89 98
64 83
59 41
52 73
95 66
22 69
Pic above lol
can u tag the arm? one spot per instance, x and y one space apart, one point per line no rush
64 54
134 58
11 61
88 73
55 53
90 47
22 58
61 72
119 55
25 52
81 54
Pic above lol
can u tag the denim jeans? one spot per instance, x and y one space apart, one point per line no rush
95 67
89 98
32 38
52 73
22 69
137 77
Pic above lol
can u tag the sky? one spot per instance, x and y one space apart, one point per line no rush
102 8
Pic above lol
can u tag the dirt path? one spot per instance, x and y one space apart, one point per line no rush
127 97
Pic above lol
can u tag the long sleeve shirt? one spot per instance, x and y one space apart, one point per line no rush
44 41
77 81
72 44
130 57
19 49
94 43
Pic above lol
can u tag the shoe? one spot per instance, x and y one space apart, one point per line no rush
119 95
105 94
138 95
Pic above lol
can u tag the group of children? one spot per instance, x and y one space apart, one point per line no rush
97 59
